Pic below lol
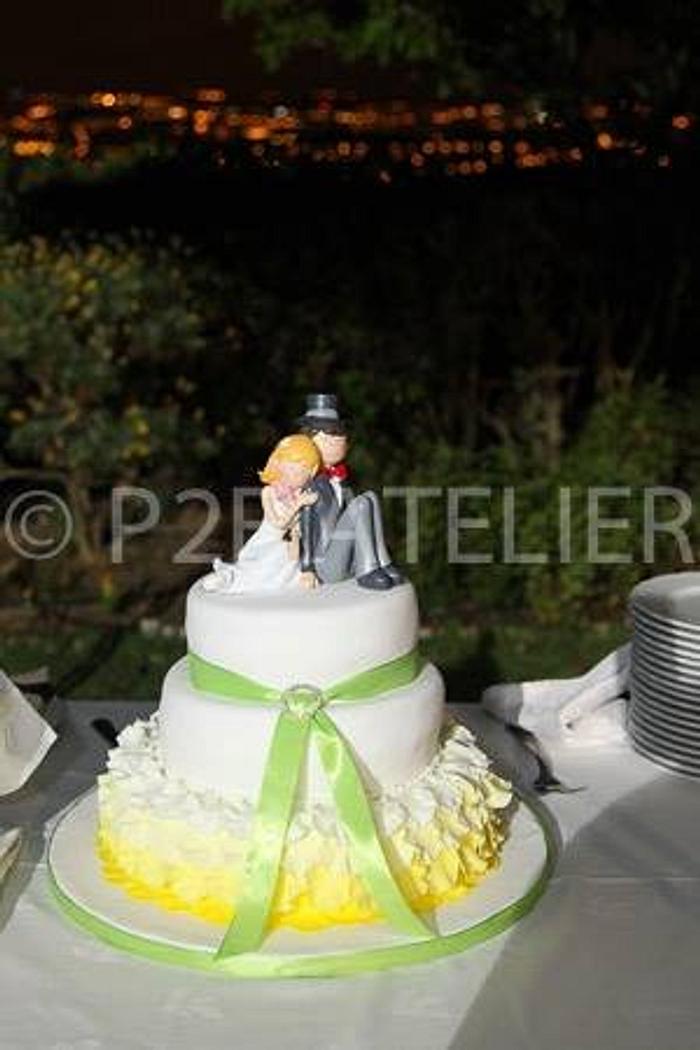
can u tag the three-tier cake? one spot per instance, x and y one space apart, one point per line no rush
300 803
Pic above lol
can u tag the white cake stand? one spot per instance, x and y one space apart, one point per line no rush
173 937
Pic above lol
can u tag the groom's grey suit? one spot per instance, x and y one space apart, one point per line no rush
341 538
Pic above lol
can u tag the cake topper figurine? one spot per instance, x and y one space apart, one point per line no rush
269 560
313 531
341 535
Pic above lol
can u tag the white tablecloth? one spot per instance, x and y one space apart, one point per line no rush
609 958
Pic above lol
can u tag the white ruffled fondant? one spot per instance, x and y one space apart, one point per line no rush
457 788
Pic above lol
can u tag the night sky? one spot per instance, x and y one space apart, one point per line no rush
174 45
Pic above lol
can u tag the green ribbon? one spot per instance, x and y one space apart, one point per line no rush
229 685
302 718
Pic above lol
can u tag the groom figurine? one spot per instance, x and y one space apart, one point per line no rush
341 535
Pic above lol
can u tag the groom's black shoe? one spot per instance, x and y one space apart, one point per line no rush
376 580
393 572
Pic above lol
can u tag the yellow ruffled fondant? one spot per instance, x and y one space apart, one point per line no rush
325 894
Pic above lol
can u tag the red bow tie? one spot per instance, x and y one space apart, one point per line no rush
339 471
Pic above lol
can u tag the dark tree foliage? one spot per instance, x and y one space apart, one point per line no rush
556 49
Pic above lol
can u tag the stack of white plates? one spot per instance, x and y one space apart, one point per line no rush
664 712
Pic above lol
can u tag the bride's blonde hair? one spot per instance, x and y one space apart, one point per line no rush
295 448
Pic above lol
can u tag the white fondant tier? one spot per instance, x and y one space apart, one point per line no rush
222 746
287 637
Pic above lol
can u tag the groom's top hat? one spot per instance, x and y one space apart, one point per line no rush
322 414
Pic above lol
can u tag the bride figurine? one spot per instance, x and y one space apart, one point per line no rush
269 560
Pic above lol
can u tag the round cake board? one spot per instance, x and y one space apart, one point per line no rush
143 928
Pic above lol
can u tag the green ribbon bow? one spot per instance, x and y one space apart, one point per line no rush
302 717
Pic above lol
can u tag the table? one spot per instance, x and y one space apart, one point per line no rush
608 958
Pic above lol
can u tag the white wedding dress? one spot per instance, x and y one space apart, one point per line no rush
263 562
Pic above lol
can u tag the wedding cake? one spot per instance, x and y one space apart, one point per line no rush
300 770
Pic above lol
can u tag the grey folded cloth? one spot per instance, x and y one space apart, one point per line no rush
560 714
587 710
25 737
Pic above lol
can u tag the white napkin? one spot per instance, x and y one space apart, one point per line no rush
581 712
10 845
24 737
